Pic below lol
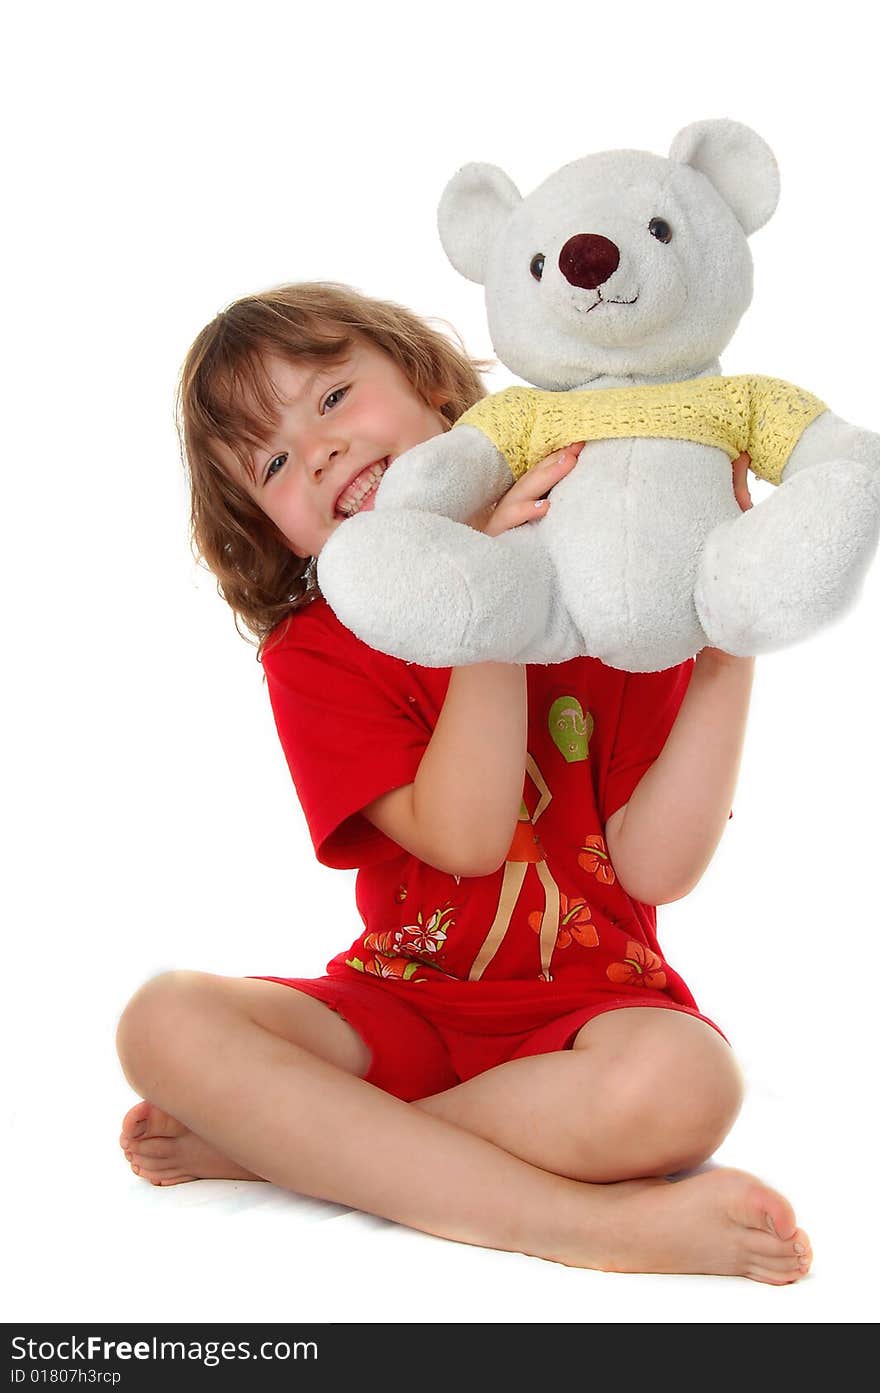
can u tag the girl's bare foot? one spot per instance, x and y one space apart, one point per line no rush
163 1151
722 1221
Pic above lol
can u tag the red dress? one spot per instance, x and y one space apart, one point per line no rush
495 964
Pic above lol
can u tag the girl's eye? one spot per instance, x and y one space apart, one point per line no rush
334 398
274 465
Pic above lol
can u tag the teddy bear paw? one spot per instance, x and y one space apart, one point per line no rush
791 565
431 591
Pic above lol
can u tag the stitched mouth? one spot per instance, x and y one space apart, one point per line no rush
600 301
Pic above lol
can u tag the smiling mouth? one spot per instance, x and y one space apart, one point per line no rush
363 486
600 301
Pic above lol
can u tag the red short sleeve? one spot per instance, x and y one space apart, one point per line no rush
649 706
347 738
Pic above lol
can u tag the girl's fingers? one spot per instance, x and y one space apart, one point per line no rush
536 482
567 455
525 501
512 513
741 481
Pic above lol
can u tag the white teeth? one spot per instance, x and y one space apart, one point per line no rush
353 496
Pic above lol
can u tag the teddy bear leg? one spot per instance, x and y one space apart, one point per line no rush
791 565
435 592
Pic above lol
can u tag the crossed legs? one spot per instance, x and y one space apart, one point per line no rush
559 1156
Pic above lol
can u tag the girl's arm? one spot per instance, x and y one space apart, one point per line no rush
663 839
460 813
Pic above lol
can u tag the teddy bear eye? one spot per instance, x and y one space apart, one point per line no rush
537 266
659 228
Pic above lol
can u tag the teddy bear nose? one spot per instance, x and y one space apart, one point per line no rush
588 260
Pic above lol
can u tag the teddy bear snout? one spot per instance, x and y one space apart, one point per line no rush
588 260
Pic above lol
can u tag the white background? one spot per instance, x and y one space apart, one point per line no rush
164 160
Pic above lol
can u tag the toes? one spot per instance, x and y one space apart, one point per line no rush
804 1251
778 1260
158 1177
777 1215
775 1278
154 1148
759 1207
765 1245
135 1120
780 1271
145 1120
152 1163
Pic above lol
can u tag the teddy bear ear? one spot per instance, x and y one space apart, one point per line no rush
738 162
475 205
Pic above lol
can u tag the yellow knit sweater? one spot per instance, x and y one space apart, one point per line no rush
762 415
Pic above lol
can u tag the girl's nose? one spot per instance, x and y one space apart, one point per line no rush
321 453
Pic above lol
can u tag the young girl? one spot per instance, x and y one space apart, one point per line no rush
503 1057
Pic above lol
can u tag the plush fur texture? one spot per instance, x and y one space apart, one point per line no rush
623 269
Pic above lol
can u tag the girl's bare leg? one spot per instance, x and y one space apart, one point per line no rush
311 1126
645 1091
164 1151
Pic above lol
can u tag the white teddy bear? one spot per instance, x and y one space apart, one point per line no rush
613 287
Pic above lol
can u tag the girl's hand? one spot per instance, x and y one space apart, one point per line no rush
526 501
741 481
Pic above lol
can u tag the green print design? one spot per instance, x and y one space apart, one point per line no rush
570 728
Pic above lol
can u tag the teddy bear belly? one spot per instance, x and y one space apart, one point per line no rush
630 522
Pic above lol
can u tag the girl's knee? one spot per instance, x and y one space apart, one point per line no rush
675 1081
693 1097
156 1016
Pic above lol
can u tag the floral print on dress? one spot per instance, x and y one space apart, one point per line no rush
399 952
575 923
429 936
640 968
593 857
379 966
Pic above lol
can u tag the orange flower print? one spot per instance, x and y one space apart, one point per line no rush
574 923
377 966
640 968
594 858
388 942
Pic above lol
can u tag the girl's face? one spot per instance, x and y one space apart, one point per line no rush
339 428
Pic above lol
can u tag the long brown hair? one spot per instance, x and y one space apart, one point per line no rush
226 400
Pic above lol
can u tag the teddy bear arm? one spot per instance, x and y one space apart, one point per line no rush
456 475
829 438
